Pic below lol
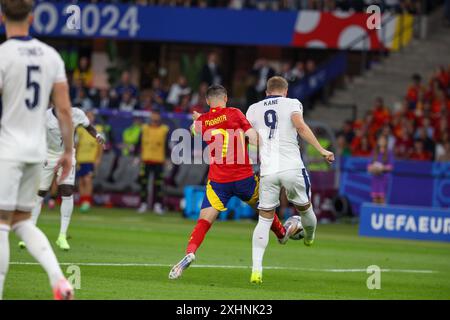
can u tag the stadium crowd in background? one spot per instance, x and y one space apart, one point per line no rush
418 130
180 96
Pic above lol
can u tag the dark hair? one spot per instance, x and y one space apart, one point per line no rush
215 91
16 10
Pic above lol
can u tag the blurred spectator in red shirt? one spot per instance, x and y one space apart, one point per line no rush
435 86
359 134
381 113
443 76
440 102
419 153
442 127
400 118
415 91
403 145
362 149
404 111
368 125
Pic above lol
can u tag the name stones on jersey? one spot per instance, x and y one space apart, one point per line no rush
31 51
215 121
270 102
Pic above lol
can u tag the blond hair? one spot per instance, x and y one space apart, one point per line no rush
276 84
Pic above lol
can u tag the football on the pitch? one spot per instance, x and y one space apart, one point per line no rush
299 233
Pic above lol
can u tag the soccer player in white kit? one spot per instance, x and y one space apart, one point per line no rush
278 120
55 149
30 72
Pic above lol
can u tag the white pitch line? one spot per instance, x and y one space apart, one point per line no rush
101 264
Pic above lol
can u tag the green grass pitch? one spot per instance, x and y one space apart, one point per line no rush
123 255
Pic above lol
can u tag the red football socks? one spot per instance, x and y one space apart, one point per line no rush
197 236
277 227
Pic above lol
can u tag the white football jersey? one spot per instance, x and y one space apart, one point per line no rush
279 149
28 70
55 146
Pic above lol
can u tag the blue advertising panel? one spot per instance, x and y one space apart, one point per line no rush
158 23
406 222
415 183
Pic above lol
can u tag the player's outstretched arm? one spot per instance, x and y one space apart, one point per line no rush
306 134
98 136
60 98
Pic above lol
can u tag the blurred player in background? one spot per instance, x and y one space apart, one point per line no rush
89 150
55 148
277 120
230 172
30 73
154 148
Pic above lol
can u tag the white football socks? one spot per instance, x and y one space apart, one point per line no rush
4 255
37 209
39 247
309 222
66 213
260 241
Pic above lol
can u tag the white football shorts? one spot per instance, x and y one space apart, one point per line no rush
19 184
297 185
48 173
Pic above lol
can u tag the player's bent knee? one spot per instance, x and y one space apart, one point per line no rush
66 190
20 216
303 208
267 214
209 214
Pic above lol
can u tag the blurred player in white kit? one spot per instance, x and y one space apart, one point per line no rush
55 148
30 73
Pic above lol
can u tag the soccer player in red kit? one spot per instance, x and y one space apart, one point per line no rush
230 172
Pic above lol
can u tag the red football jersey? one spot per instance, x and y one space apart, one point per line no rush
223 129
